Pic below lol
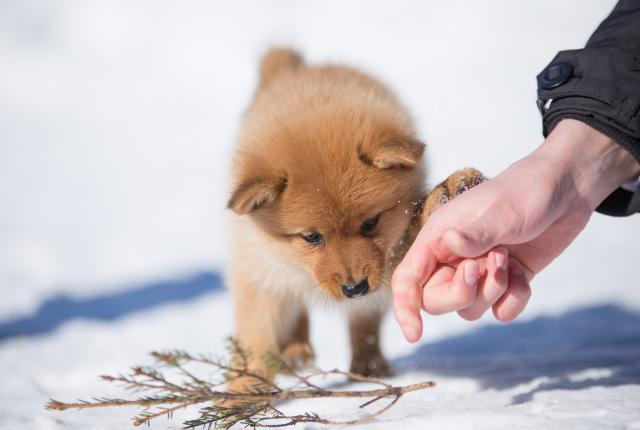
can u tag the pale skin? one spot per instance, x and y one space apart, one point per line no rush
481 250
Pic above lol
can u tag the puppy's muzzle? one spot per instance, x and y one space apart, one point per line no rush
354 289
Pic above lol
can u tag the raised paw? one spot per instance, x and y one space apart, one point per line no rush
456 184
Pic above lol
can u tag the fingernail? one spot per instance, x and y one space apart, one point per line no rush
471 272
501 261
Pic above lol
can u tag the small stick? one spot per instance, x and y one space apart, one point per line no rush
251 409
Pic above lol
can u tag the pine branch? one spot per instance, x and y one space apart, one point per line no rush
254 408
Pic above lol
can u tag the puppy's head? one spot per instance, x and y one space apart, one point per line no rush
335 191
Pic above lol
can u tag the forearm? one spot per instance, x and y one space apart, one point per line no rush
592 163
600 86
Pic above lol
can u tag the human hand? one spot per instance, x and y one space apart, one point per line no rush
482 249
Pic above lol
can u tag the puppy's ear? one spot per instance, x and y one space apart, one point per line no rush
276 61
395 152
255 193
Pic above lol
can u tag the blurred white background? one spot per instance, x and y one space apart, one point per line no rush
117 121
117 124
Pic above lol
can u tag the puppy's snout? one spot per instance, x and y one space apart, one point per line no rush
356 289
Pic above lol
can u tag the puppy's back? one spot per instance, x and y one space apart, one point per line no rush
299 97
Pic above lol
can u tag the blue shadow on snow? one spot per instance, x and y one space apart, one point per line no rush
505 356
58 310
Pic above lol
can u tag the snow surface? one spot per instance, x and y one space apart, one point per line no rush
117 122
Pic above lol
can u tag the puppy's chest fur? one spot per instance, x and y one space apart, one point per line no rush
266 264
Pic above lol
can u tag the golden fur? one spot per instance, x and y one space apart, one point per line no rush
321 149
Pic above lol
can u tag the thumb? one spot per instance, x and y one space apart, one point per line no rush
470 241
471 237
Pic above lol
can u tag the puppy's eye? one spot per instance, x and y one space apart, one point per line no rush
369 224
314 238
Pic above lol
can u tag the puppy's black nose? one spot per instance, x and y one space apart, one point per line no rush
354 290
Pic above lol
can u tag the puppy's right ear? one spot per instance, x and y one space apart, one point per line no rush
254 194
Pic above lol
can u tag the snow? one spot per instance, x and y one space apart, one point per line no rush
117 122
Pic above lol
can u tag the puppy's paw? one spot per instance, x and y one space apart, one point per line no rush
456 184
298 355
243 385
462 180
374 365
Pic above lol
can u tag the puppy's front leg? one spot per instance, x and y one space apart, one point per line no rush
456 184
366 356
266 323
296 350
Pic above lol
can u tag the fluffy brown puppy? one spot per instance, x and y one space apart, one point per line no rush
328 192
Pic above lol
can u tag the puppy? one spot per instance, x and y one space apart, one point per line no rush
328 193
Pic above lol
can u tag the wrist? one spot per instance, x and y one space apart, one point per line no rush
591 162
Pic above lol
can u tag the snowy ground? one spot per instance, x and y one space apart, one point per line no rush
116 126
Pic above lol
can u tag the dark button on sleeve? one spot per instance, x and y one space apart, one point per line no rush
555 75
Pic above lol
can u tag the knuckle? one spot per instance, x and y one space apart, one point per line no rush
501 287
470 314
401 277
464 297
523 292
497 284
527 291
502 316
433 310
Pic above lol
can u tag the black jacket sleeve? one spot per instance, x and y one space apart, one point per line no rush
600 86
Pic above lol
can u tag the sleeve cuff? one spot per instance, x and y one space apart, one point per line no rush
620 203
597 86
